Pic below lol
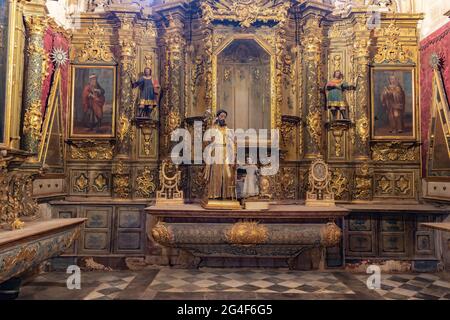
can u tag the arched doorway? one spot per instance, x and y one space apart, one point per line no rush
244 85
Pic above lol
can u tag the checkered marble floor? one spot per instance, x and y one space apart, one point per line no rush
110 287
421 286
232 280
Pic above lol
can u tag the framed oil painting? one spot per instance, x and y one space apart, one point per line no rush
93 101
393 103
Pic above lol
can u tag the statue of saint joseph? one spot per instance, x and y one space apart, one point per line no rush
220 167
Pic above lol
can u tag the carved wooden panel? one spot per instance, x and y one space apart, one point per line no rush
130 231
96 236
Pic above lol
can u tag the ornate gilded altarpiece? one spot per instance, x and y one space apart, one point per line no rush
304 43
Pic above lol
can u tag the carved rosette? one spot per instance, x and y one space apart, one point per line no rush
36 71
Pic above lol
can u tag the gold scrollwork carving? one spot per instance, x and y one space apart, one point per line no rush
392 50
339 183
362 128
125 128
121 181
330 235
247 233
363 183
244 12
162 234
91 150
37 25
314 123
25 254
145 184
32 121
95 49
173 121
394 151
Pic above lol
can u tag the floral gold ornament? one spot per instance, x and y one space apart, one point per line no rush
245 12
162 234
95 49
247 233
363 129
395 151
330 235
90 150
314 123
17 224
32 121
81 183
145 183
392 50
339 183
384 185
403 185
100 183
121 180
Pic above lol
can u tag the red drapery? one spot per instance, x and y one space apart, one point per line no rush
439 43
55 40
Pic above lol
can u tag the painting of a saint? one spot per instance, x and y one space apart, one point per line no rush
393 104
93 101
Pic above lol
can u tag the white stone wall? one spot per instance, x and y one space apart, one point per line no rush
434 15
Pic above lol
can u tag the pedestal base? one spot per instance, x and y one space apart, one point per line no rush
221 204
256 205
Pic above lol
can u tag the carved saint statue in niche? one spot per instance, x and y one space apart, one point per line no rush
335 89
149 93
220 169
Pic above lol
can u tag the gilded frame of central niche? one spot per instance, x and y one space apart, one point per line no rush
267 48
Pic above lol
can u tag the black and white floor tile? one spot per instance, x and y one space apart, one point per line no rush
413 286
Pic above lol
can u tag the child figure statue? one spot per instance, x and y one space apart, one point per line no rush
149 92
251 185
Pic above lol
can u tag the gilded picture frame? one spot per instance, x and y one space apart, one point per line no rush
393 103
93 101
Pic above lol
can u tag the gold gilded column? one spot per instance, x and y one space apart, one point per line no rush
312 39
173 78
127 72
361 67
35 72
